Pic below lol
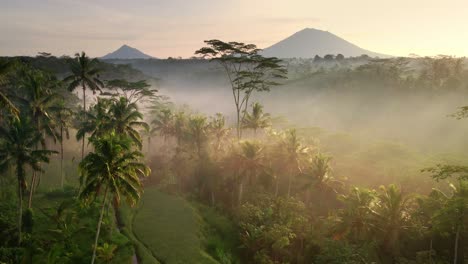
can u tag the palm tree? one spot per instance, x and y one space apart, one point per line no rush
85 74
218 129
113 115
451 215
428 216
39 99
18 148
392 215
250 164
114 167
164 123
179 131
63 116
5 103
106 252
318 172
257 119
355 218
294 153
93 121
126 119
197 135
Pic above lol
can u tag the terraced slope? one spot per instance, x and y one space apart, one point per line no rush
170 228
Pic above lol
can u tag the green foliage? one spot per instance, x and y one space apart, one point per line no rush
115 114
356 217
270 227
443 171
317 220
113 165
337 252
5 102
220 236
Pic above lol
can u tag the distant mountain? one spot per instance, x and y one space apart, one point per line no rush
126 52
310 42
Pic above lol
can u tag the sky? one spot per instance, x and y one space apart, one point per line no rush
178 27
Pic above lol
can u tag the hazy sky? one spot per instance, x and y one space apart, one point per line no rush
178 27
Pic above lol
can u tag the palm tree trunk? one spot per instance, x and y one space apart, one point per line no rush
31 188
84 110
430 251
84 96
61 157
455 254
238 125
103 207
149 147
82 146
20 208
241 190
212 198
277 186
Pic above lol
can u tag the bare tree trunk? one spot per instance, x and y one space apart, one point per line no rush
103 206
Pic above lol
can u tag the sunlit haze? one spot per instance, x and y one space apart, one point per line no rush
178 28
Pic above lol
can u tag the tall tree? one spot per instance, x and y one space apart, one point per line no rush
85 74
18 149
114 167
246 69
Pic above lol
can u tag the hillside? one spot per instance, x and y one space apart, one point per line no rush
126 52
310 42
